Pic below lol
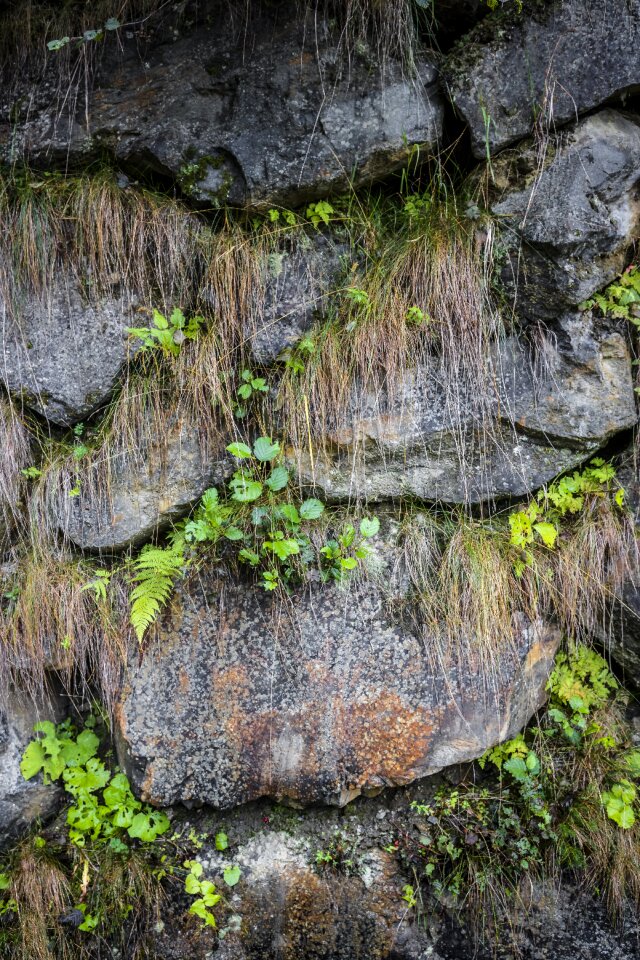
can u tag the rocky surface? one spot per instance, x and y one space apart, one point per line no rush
324 913
62 354
549 410
297 281
144 491
22 801
542 68
263 116
590 179
316 700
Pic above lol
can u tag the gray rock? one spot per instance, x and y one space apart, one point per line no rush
62 355
316 700
23 801
260 118
297 281
548 65
545 412
143 491
568 227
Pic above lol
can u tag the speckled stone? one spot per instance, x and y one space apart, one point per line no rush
318 699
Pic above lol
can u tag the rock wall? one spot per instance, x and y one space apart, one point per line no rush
397 244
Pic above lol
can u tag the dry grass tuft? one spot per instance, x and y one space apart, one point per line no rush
42 895
53 623
610 854
465 596
101 236
15 455
367 352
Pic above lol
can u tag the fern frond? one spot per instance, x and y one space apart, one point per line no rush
155 572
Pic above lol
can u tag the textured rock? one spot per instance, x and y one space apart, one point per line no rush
260 117
320 700
62 355
297 281
23 801
146 490
549 412
569 229
553 62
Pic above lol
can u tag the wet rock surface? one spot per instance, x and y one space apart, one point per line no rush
543 67
298 280
263 116
549 412
315 700
62 355
145 491
567 225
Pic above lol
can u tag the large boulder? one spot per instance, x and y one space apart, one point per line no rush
546 411
62 353
545 66
568 226
318 699
261 116
23 801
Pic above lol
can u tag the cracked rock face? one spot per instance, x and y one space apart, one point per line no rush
259 119
62 355
555 61
569 230
318 701
549 410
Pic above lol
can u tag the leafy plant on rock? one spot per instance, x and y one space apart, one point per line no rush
167 334
562 794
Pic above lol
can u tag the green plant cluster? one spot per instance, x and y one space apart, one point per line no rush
119 857
540 519
620 299
340 855
167 334
269 528
563 793
103 809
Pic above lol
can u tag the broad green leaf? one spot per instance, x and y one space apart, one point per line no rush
222 841
348 563
278 479
33 759
369 527
192 884
547 533
233 533
240 450
289 512
244 491
231 876
148 826
264 450
311 509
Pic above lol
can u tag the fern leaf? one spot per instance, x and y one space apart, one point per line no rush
155 571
